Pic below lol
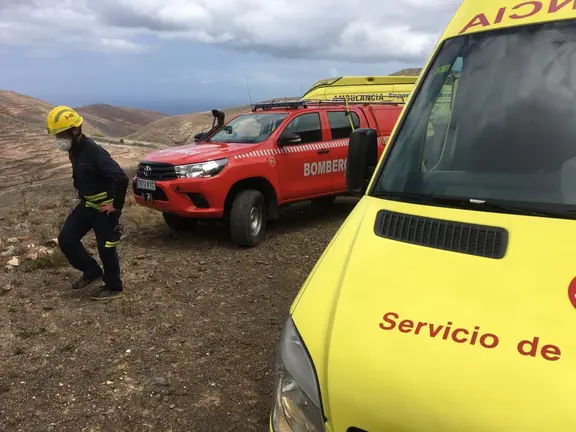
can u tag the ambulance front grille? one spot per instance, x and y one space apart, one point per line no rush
479 240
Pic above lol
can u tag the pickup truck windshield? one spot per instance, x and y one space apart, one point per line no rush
249 128
494 120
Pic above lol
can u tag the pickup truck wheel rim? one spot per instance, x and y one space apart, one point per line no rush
255 220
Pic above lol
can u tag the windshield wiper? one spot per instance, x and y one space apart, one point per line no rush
514 209
423 198
477 204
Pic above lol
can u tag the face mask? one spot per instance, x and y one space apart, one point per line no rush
64 144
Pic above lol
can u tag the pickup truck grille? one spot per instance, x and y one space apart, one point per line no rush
156 171
479 240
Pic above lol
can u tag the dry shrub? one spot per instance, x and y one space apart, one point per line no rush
19 249
46 261
47 231
140 215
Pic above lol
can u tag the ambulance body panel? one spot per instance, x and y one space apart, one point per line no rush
446 300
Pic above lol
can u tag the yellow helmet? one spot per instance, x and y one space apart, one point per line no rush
62 118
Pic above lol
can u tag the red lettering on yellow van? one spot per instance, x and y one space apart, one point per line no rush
391 322
536 7
455 337
500 15
522 10
478 20
555 5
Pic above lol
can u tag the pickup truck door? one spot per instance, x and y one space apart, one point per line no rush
301 167
340 125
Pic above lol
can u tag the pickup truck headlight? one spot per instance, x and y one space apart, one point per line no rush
297 406
203 169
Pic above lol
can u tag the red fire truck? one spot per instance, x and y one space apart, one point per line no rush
245 170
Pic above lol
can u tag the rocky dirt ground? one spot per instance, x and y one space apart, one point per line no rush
190 348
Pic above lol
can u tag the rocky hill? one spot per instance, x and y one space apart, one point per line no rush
407 72
16 108
178 129
118 121
28 157
99 119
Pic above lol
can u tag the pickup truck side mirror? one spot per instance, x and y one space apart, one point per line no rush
289 139
200 136
362 160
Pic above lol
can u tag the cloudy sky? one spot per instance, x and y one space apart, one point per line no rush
178 55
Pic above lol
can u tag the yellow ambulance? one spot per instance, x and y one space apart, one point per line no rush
363 89
376 89
446 300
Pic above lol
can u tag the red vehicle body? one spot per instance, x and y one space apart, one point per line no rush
245 170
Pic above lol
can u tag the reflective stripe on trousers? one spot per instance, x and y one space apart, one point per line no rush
108 233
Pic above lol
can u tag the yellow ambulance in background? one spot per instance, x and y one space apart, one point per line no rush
377 89
363 89
446 302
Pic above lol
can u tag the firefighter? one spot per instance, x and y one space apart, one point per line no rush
101 186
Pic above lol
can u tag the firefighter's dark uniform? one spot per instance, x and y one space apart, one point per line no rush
99 180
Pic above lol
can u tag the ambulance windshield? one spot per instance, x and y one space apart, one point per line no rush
249 128
494 120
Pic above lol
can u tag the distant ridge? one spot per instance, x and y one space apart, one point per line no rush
407 72
118 121
100 119
176 130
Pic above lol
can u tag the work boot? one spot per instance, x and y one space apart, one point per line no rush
85 282
106 293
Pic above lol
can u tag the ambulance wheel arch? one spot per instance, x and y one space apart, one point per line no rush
250 203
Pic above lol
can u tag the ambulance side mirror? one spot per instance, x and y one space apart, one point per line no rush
362 160
289 139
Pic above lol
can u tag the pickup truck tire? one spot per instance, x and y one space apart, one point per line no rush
178 223
324 201
248 218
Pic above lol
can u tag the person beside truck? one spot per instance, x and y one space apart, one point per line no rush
446 300
101 184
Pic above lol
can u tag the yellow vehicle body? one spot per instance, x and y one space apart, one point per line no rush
407 338
363 89
369 89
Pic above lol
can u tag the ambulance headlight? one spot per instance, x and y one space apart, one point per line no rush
297 406
203 169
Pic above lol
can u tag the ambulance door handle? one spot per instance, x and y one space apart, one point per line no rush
323 151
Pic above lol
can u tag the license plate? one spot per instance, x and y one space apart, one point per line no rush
146 184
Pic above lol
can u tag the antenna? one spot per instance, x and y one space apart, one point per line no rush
248 87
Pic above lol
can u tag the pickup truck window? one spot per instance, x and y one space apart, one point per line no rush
340 123
249 128
307 126
492 121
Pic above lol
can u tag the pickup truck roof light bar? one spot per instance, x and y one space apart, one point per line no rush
340 101
316 102
271 105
